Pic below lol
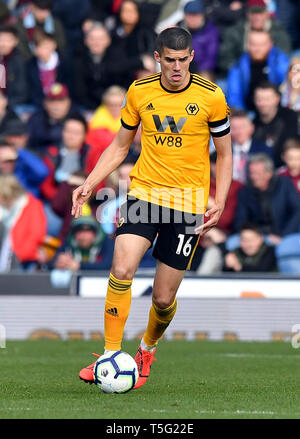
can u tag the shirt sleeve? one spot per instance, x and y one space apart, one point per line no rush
130 117
218 121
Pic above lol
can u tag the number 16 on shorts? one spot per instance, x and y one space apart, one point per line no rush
184 248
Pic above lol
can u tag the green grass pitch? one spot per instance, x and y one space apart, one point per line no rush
39 379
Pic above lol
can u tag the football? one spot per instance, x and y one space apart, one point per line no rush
116 372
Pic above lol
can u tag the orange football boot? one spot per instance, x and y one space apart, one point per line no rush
143 360
87 373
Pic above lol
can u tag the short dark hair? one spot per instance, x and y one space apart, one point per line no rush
79 118
265 85
39 36
43 4
251 226
175 38
235 112
291 143
10 29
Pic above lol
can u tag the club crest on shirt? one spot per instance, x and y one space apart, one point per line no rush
192 109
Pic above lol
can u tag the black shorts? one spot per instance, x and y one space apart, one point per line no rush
173 230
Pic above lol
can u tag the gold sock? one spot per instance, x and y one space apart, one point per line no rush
117 306
159 320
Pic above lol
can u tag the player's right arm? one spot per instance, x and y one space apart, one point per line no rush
110 159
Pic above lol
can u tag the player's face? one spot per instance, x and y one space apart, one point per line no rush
174 67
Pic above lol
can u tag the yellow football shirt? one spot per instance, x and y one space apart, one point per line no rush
173 168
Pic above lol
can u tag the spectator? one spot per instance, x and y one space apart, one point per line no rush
44 69
87 248
236 36
94 67
269 200
273 123
45 125
61 203
66 158
23 226
243 144
262 62
132 44
38 16
205 37
226 13
28 169
288 13
7 114
15 134
12 60
290 89
208 257
226 219
110 211
104 125
253 255
107 116
291 158
71 14
4 12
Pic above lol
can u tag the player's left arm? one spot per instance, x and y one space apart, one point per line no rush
223 181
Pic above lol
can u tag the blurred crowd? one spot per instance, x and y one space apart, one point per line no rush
65 66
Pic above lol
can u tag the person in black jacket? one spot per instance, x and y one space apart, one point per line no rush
273 123
253 254
132 44
45 68
7 114
271 201
92 71
14 64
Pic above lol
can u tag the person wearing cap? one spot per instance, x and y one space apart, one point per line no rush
29 169
236 37
45 125
205 37
15 133
86 248
7 114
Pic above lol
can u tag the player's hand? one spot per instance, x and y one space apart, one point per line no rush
80 196
213 214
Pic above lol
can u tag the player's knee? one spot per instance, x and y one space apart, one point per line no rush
162 302
123 272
